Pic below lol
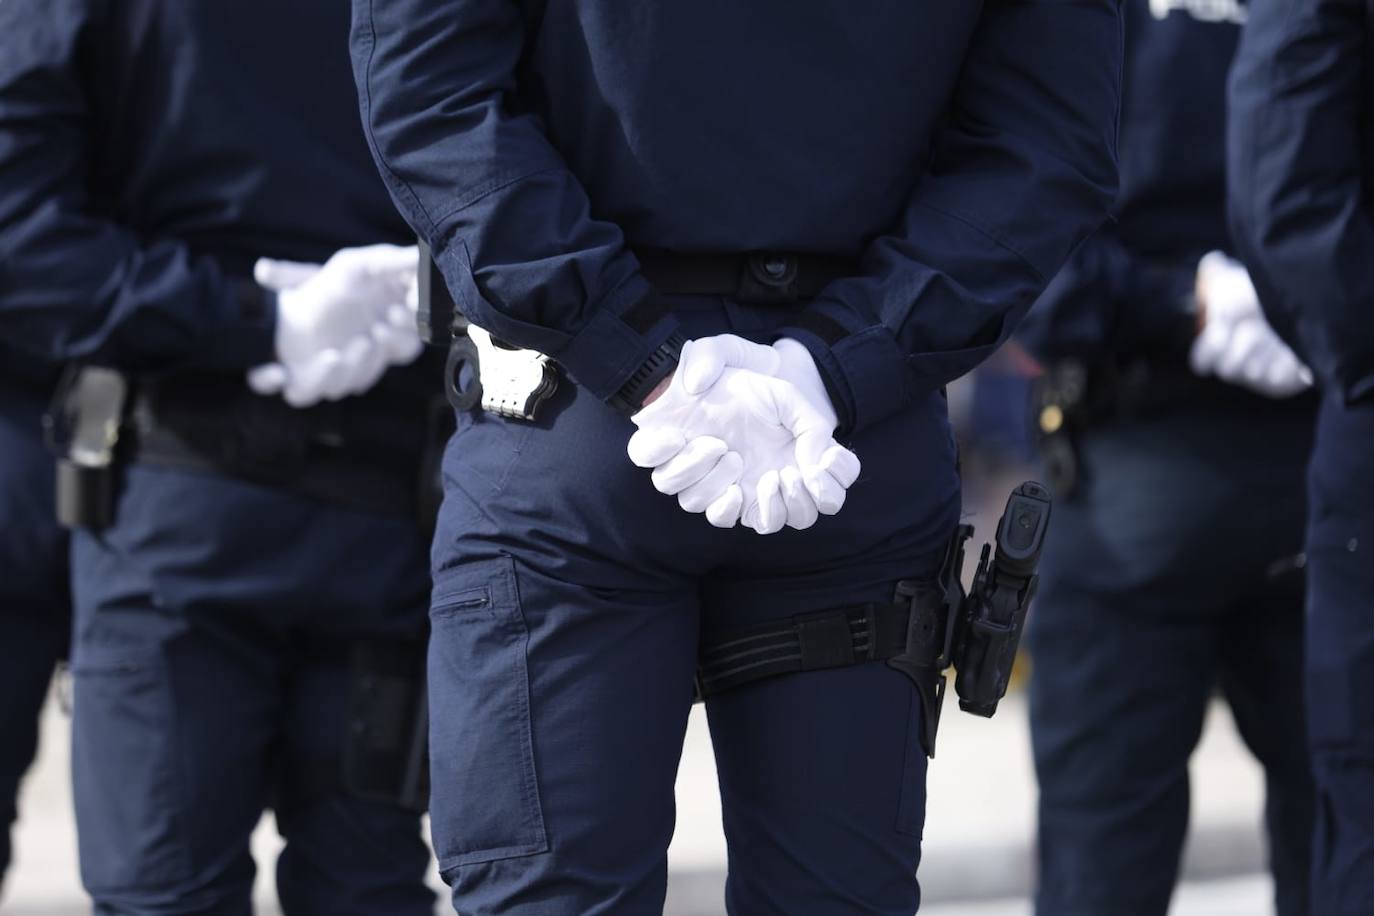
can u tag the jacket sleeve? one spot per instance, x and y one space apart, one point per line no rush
1300 208
74 284
1022 171
509 224
1109 300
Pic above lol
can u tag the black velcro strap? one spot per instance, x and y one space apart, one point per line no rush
808 642
644 314
823 326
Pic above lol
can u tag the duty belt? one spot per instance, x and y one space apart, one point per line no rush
756 277
365 456
375 456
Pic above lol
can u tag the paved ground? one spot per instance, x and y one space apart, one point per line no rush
978 852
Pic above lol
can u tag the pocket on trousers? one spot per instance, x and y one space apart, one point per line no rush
484 796
131 828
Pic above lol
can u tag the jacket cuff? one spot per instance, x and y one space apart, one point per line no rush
864 373
622 336
246 330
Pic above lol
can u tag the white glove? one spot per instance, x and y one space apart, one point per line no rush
340 325
824 468
1236 344
728 439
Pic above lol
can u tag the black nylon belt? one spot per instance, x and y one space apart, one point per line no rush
808 642
362 456
763 276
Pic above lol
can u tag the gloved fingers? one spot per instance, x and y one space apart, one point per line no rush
366 363
705 358
275 274
1225 287
399 342
796 414
842 464
379 275
1285 375
1247 339
801 508
307 382
401 317
1207 347
412 300
811 447
725 511
354 359
824 489
268 379
701 495
1263 357
384 260
689 466
768 513
651 446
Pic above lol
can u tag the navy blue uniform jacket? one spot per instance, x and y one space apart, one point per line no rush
959 150
1301 147
151 151
1127 291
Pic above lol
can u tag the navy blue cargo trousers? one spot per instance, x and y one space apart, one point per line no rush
1340 657
1170 573
209 686
569 601
35 603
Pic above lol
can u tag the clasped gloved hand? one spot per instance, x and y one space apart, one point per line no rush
340 325
1236 344
745 433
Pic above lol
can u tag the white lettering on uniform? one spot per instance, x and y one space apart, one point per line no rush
1232 11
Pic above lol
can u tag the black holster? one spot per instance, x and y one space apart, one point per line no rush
386 757
931 633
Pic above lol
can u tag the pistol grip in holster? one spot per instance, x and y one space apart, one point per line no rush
83 427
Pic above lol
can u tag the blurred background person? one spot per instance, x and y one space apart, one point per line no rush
1301 151
1176 433
250 602
35 597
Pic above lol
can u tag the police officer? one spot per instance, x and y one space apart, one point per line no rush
1301 150
882 193
35 600
1177 427
250 604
